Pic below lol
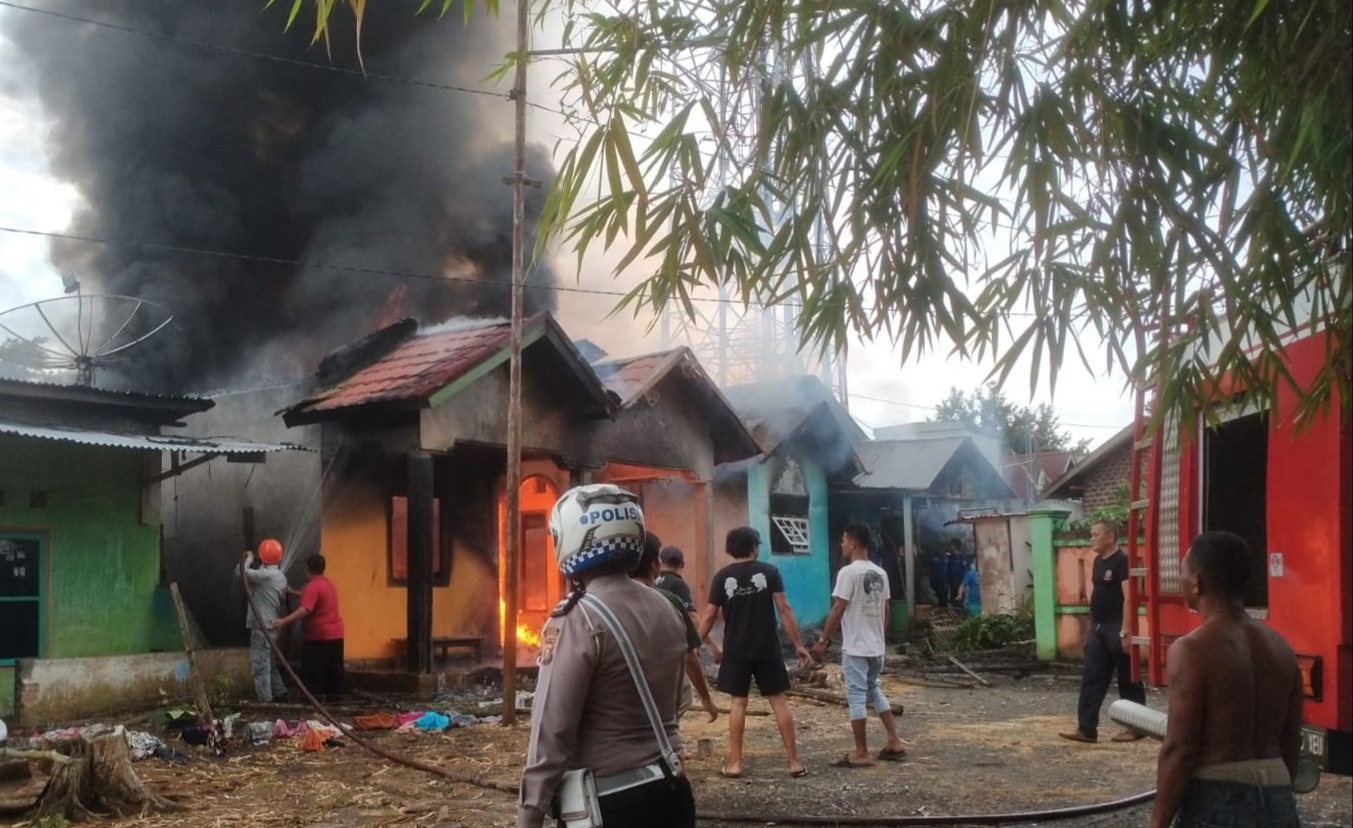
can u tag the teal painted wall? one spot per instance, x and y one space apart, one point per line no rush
102 566
807 577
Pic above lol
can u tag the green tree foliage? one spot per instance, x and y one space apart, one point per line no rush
992 632
1157 189
1023 428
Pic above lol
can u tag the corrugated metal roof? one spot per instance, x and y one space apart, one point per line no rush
105 392
143 442
905 464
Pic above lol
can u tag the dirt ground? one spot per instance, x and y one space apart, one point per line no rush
977 750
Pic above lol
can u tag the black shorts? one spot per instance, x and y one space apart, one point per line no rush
735 677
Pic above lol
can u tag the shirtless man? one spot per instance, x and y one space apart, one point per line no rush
1234 727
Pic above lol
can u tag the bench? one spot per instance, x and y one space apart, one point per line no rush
443 644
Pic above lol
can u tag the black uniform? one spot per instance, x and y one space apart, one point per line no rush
1104 650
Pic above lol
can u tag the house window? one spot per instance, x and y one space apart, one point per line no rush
1235 475
789 525
20 596
399 543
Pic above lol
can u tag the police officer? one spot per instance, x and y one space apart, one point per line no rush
587 712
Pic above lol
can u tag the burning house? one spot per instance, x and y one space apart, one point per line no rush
410 414
673 430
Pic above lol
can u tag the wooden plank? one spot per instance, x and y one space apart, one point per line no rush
960 665
194 677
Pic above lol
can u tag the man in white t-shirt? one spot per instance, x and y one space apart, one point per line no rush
860 607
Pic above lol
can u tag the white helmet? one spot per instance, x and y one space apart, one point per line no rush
594 524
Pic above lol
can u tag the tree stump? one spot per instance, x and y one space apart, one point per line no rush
100 780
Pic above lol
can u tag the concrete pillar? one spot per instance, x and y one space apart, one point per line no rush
1042 524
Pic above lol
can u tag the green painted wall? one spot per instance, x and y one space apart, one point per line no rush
1043 524
102 568
6 691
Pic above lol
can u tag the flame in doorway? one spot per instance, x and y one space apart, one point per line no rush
525 635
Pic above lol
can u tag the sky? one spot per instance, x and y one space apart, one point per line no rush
882 390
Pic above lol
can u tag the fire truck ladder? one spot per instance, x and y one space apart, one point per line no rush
1143 529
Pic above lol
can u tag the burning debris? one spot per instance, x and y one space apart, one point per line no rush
276 199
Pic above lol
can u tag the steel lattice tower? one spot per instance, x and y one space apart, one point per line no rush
740 344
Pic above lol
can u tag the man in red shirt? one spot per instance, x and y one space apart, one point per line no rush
322 642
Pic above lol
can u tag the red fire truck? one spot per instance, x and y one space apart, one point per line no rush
1285 487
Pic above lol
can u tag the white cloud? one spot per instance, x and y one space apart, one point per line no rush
30 199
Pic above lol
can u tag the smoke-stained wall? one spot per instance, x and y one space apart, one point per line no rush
210 511
266 191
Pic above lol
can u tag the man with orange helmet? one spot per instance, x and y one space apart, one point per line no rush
268 586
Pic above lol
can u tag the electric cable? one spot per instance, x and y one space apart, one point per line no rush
1051 814
399 274
282 59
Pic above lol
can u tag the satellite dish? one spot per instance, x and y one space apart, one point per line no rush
77 332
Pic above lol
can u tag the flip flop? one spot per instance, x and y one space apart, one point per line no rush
845 762
887 755
728 774
799 774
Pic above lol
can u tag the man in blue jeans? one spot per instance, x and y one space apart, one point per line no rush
860 607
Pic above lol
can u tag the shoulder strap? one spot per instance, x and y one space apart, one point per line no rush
612 623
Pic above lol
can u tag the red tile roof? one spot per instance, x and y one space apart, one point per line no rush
1029 474
415 369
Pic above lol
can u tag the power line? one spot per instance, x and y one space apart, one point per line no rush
933 408
368 271
308 64
373 271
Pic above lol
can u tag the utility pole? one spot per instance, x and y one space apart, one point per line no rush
512 496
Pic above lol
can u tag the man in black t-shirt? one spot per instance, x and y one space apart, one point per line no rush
750 594
673 560
1104 650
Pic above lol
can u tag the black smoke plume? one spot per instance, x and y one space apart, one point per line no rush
178 134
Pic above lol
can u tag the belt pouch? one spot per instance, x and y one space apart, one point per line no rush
579 806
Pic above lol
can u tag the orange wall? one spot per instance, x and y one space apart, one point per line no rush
1074 565
354 540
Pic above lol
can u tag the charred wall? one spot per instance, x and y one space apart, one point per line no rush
212 512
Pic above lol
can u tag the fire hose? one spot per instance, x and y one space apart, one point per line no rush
450 775
1045 815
